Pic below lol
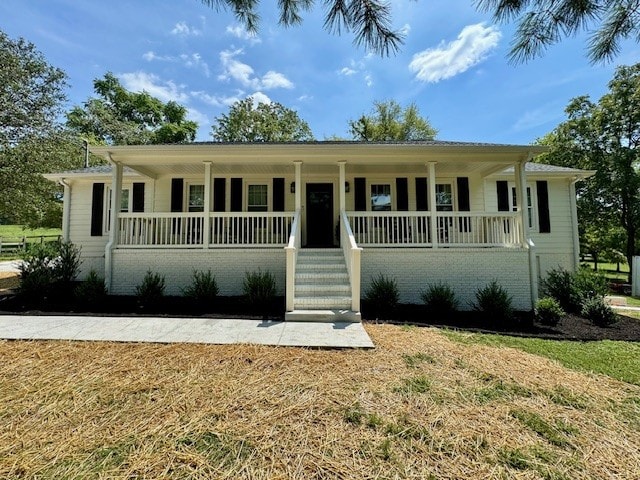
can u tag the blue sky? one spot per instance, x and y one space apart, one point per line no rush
453 64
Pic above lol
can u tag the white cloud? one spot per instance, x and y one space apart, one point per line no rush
240 32
447 60
272 80
405 30
195 61
346 71
258 98
197 116
152 84
208 99
183 29
150 56
241 72
305 98
368 80
549 113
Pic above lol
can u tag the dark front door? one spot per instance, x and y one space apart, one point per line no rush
320 215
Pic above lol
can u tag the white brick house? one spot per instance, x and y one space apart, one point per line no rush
325 217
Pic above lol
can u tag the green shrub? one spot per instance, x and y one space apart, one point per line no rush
45 266
383 295
494 302
92 290
37 271
67 262
597 310
259 288
572 289
440 298
203 288
548 311
151 290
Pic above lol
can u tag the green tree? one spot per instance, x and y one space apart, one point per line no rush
389 122
542 23
32 94
605 137
120 117
266 122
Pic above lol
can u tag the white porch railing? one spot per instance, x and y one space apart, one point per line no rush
185 230
351 253
291 250
454 229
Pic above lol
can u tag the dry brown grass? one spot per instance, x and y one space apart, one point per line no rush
9 280
418 406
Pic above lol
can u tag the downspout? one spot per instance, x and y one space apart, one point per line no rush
116 195
574 223
66 208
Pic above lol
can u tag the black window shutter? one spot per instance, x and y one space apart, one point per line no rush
544 221
464 204
236 194
138 198
177 187
278 194
97 209
219 194
402 194
422 202
503 195
360 194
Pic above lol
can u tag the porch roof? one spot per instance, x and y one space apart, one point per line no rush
317 157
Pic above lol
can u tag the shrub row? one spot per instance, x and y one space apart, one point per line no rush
493 301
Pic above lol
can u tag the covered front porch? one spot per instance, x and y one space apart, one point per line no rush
346 196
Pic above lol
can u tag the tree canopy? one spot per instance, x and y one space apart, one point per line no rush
542 23
120 117
390 122
605 136
32 94
266 122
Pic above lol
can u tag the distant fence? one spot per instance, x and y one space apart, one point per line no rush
18 244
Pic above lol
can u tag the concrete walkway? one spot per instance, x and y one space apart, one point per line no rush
10 266
187 330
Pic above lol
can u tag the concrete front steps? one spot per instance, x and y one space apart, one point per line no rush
323 292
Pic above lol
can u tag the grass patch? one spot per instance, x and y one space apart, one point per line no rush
219 449
19 231
619 360
412 361
414 385
610 270
566 398
496 388
552 434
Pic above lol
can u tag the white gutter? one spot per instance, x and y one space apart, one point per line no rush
66 208
533 263
574 223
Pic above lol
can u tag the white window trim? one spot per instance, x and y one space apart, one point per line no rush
250 183
454 194
382 181
106 216
187 191
533 208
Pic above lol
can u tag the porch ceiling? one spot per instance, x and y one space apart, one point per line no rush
320 158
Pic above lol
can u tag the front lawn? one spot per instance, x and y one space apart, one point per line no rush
620 360
420 405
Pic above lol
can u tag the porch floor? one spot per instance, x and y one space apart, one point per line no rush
185 330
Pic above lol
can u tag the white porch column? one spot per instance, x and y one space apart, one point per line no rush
432 203
298 165
207 205
341 166
521 197
114 224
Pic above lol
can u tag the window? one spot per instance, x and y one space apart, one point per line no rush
196 198
444 197
125 205
380 197
514 204
257 198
